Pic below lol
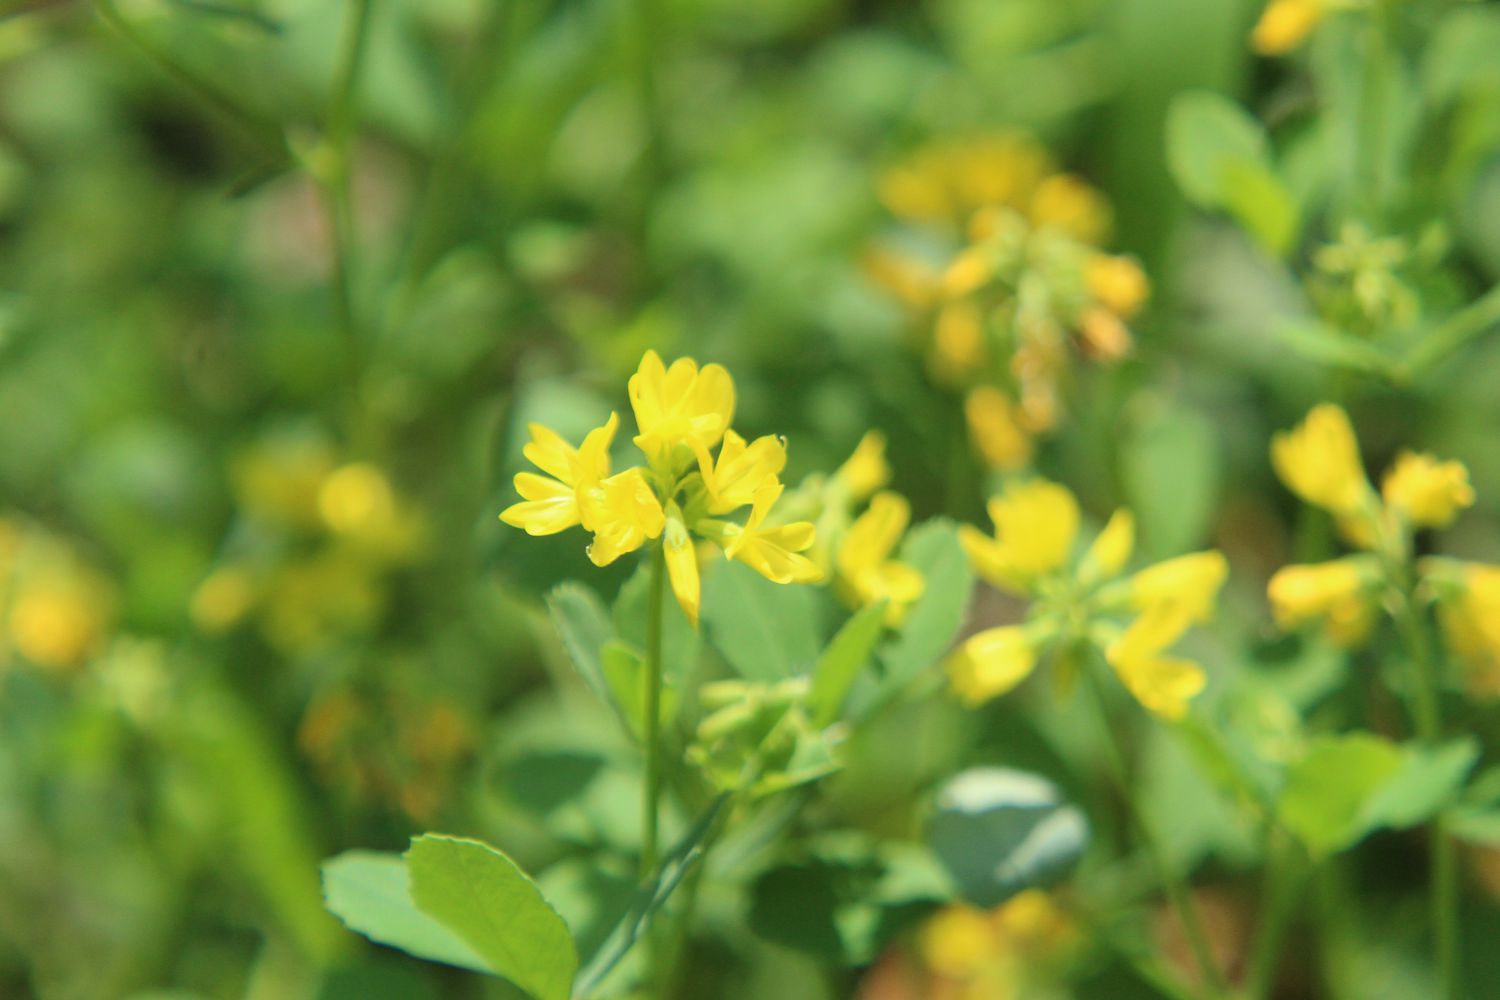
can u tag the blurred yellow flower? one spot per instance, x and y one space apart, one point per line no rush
1337 593
1036 523
223 599
1066 202
992 662
995 429
1427 492
1319 461
866 470
1164 685
1190 582
866 571
1110 551
1285 24
1470 619
1118 284
958 341
358 502
278 478
957 941
57 623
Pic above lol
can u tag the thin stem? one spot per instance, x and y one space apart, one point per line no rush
337 172
1427 716
259 129
648 31
1283 887
651 799
1175 888
1448 337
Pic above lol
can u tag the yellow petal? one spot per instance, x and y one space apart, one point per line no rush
866 470
990 663
1428 492
1285 24
1163 685
623 513
548 506
1111 549
874 534
682 568
1319 461
1154 630
680 405
1036 523
549 452
995 429
741 470
1304 593
1190 581
1117 283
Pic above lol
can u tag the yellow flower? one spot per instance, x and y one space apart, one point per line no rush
969 272
1104 335
995 430
682 564
958 941
1111 550
958 341
623 513
740 470
1117 283
1067 203
1036 523
222 600
1285 24
1470 620
1319 461
866 470
773 552
1190 582
992 662
866 572
1427 492
680 405
57 623
1164 685
1305 593
552 505
357 501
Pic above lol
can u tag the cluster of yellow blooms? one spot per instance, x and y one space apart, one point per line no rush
356 527
1002 267
1320 462
1286 24
683 490
55 608
996 954
1075 603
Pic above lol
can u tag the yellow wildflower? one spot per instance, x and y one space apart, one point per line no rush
969 272
357 501
1427 492
1164 685
57 623
222 600
866 572
1285 24
995 429
1334 592
1104 335
958 341
1319 460
773 552
623 513
992 662
1109 553
682 564
1069 204
741 469
277 479
1117 283
957 942
866 470
552 505
1470 619
680 404
1191 582
1036 523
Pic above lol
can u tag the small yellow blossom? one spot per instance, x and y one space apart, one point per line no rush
1164 685
866 470
680 404
682 564
358 502
552 505
773 552
969 271
1319 460
1470 619
1191 582
992 662
1285 24
623 513
1305 593
1104 335
56 624
1109 553
223 599
958 341
1036 523
958 941
1069 204
995 429
1117 283
1427 492
741 469
866 572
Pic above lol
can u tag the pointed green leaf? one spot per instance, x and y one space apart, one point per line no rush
767 631
842 662
484 898
1429 781
1205 132
370 893
584 627
933 622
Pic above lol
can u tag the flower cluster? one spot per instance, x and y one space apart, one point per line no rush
1000 263
684 490
56 609
999 952
1319 461
1077 602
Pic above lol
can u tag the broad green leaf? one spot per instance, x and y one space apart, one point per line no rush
767 631
843 659
1206 133
1260 202
1429 781
932 623
1319 342
369 891
625 673
1460 54
484 898
1170 469
583 625
999 832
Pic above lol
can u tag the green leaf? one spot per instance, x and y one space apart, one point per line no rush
1261 203
932 623
369 891
1477 826
842 661
767 631
999 832
583 625
1460 54
1206 134
1320 342
1171 471
484 898
1429 781
625 673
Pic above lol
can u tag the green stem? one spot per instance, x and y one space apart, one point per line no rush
1448 337
651 799
648 31
1427 715
259 129
1175 888
1283 887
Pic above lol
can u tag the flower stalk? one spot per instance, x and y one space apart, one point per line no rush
651 794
